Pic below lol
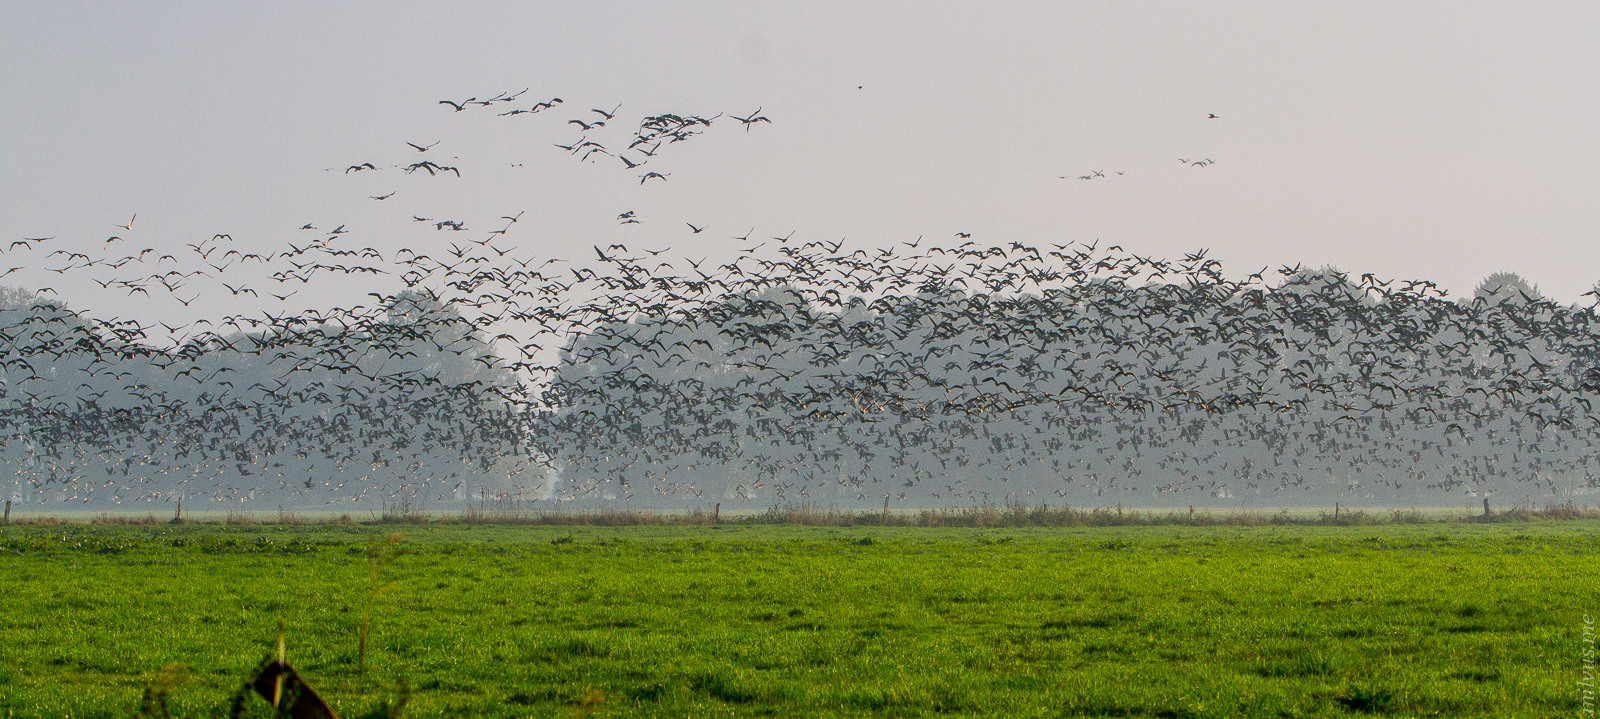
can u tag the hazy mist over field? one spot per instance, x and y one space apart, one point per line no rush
1242 256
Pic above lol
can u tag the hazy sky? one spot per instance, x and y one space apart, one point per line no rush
1441 140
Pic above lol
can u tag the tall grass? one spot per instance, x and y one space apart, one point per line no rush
1012 514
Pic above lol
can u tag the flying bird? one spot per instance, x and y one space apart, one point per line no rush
536 107
752 119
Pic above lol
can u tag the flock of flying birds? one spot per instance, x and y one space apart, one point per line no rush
798 371
1101 174
643 145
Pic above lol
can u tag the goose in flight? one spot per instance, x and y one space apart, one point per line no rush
129 226
536 107
752 119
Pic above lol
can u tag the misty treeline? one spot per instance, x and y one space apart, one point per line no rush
946 376
398 400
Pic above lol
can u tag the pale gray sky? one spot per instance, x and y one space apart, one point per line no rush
1427 140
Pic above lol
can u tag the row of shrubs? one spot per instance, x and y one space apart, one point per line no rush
1014 515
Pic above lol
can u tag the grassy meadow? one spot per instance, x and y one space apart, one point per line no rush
1409 619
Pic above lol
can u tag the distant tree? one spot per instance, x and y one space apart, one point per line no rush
1502 286
17 298
1323 282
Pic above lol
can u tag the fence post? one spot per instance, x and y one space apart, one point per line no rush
8 511
716 514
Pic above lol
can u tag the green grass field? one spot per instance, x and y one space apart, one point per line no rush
1431 619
